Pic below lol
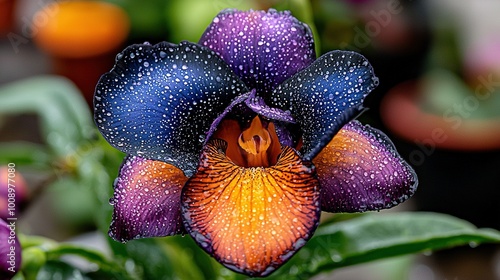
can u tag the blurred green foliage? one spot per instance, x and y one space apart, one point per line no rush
82 167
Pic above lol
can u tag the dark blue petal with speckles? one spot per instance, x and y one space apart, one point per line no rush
159 101
360 170
325 96
263 48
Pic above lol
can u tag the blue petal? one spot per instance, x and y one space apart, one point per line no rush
325 96
159 101
236 106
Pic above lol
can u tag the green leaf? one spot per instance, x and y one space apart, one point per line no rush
76 204
60 270
145 258
24 153
377 236
65 117
45 254
90 255
188 260
33 259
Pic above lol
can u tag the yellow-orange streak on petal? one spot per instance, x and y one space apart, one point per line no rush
275 150
254 142
251 219
248 142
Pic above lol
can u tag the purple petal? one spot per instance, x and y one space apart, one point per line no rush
263 48
360 170
257 104
146 200
325 96
159 101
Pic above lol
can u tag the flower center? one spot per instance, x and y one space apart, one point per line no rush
254 142
256 146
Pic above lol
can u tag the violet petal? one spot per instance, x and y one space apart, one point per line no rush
263 48
146 200
360 170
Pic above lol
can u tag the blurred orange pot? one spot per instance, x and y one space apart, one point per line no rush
82 37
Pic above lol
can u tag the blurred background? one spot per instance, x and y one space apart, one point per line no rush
439 100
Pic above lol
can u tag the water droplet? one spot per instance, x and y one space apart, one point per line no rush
336 257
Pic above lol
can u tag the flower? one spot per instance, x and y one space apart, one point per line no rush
242 139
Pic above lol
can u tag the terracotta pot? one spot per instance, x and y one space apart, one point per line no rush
456 159
82 38
402 113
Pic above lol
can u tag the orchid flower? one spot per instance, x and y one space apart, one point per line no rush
242 139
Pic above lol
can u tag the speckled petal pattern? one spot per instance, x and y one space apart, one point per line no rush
263 48
360 170
146 200
325 96
252 220
159 101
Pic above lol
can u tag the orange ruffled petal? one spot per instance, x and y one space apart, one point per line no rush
251 219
